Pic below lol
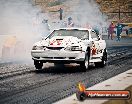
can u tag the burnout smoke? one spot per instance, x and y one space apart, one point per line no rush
87 12
20 26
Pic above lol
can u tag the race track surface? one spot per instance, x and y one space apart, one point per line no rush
25 85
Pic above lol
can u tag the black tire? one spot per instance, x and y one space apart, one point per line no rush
38 64
85 64
58 64
81 96
103 62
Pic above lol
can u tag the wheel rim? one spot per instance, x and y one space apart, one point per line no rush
86 62
104 62
105 58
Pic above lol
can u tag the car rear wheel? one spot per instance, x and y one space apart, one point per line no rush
104 59
85 64
38 64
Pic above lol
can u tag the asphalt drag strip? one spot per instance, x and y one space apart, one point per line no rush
57 82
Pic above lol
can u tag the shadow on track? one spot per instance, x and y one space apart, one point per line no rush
61 68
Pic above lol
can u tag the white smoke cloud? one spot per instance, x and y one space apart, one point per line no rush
21 19
87 12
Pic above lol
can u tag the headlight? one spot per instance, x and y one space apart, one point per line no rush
74 48
38 48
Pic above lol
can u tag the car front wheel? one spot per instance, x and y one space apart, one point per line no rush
38 64
85 64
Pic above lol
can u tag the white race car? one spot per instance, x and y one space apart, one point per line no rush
71 45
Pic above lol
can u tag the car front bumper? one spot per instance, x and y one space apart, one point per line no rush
57 56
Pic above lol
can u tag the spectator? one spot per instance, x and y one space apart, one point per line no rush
119 30
111 30
61 12
70 22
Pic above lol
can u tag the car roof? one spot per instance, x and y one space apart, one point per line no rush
73 28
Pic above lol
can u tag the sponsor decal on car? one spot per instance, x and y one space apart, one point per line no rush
56 42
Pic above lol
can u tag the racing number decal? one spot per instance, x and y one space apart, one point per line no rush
51 43
59 42
56 41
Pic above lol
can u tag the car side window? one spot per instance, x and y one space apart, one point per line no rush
94 35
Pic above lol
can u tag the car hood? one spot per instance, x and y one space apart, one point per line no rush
61 41
64 41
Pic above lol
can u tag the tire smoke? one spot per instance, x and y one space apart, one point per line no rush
21 24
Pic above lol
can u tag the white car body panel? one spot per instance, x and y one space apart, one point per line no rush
55 49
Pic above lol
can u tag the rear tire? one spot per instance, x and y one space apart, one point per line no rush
104 59
38 64
85 64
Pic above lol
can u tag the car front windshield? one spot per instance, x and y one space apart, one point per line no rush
81 34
